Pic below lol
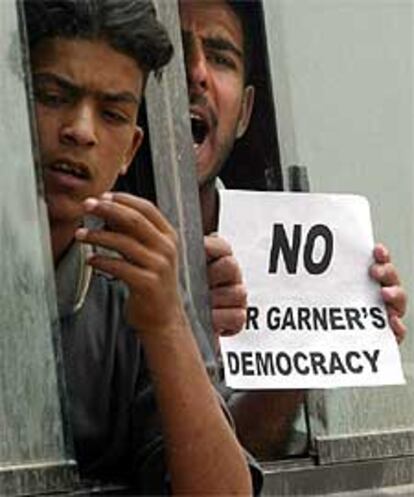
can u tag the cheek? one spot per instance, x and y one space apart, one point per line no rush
230 92
125 146
46 127
113 156
116 153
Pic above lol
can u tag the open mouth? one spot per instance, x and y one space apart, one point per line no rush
76 170
199 129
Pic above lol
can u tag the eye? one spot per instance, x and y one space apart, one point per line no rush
222 60
114 117
50 98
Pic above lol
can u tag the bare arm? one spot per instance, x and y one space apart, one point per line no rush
202 452
264 420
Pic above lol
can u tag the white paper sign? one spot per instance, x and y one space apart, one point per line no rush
315 318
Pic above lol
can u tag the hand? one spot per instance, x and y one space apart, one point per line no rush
227 291
148 266
394 296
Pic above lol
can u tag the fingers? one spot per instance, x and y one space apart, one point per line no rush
383 271
224 271
229 321
131 250
139 233
222 266
385 274
148 210
392 293
381 253
125 271
229 308
227 291
229 296
141 221
398 327
395 299
216 247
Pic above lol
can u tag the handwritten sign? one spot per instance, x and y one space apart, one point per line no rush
315 317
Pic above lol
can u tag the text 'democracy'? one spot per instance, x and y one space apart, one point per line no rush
315 319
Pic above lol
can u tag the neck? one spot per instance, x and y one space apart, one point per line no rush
61 235
209 207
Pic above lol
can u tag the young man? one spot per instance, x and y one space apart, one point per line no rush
217 46
156 423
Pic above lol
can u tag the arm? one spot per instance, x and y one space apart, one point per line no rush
264 420
203 455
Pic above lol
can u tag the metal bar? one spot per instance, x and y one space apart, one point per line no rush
175 178
385 477
273 21
37 479
34 453
346 448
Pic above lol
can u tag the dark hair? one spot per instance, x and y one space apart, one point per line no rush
128 26
246 11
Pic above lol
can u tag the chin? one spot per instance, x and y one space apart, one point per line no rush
203 182
63 210
208 178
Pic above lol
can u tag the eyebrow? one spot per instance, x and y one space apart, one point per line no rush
75 90
219 43
214 42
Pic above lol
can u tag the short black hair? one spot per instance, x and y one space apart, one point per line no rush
246 11
128 26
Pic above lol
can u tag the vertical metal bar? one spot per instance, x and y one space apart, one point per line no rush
175 178
34 455
273 21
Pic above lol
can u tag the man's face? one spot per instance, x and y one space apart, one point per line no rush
220 104
87 98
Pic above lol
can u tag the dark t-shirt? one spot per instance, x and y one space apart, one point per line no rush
112 408
111 403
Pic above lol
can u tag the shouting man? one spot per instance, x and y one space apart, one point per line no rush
218 43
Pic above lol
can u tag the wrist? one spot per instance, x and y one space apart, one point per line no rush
164 328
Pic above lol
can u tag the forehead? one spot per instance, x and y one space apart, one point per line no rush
92 64
211 18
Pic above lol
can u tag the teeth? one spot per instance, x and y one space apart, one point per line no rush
67 168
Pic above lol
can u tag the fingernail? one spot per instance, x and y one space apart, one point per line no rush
387 292
107 196
81 233
89 257
90 203
374 272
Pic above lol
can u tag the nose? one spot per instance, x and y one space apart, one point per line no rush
79 127
196 68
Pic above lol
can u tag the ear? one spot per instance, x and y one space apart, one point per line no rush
246 110
133 149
